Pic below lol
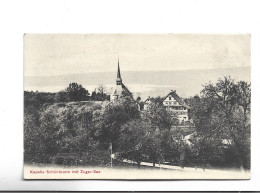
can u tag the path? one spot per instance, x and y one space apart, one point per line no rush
188 169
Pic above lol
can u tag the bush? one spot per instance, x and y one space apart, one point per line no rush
59 160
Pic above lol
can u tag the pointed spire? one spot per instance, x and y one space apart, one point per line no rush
118 79
118 71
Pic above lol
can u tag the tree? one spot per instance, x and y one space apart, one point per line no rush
93 95
99 94
206 150
49 134
78 130
34 104
77 92
223 113
153 147
101 89
159 100
174 145
31 136
38 100
114 116
62 96
133 140
159 116
59 128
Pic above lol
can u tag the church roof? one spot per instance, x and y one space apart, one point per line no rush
125 89
120 89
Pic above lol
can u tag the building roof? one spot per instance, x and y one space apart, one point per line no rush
120 89
126 89
177 98
148 99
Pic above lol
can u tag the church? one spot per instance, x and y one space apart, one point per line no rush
120 89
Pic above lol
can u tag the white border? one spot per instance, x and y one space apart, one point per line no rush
116 16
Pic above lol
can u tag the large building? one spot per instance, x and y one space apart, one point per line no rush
120 89
175 105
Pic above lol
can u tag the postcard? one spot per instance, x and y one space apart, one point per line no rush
137 106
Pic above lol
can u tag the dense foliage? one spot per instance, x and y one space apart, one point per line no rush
222 118
54 126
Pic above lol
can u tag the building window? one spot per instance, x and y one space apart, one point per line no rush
170 98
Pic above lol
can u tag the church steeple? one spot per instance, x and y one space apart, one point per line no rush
118 79
120 89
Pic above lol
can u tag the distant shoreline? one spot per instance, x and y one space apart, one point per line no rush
147 83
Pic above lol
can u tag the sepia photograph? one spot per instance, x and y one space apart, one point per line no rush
137 106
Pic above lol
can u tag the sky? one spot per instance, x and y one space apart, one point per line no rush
63 54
